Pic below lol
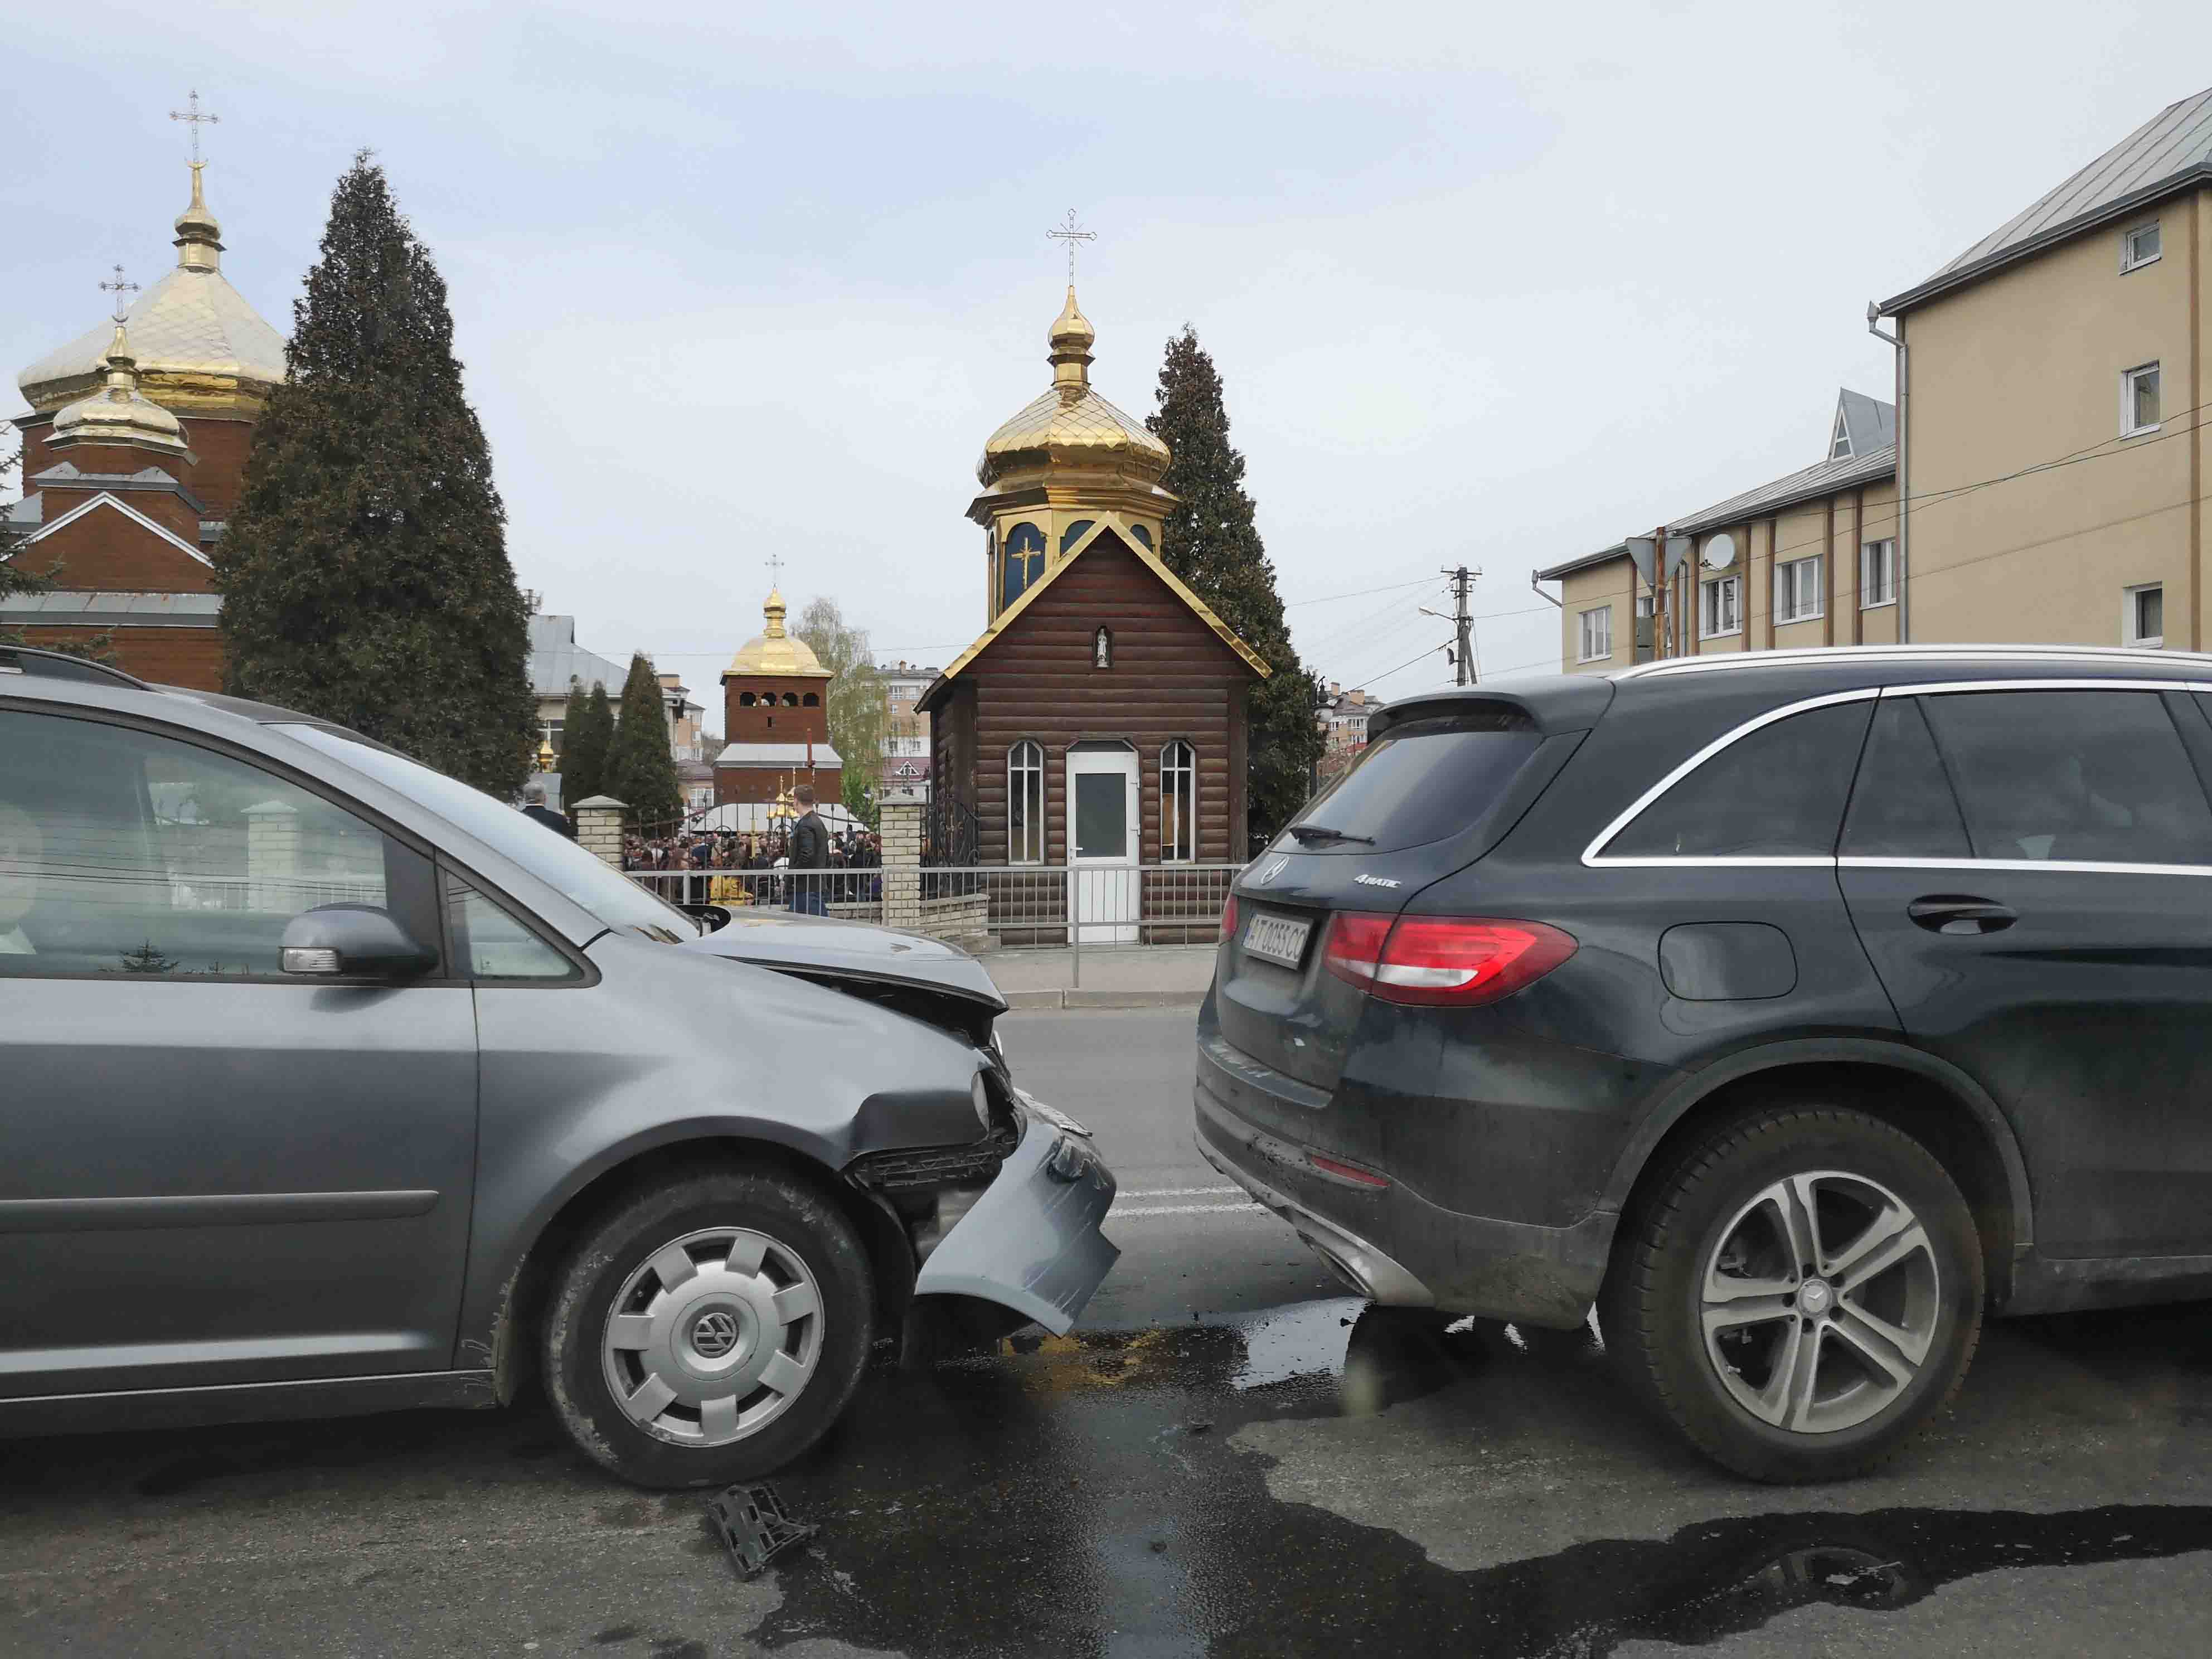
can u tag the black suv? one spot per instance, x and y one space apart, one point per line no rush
1791 1009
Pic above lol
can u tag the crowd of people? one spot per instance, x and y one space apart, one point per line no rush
734 868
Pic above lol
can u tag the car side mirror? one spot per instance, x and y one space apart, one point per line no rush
358 939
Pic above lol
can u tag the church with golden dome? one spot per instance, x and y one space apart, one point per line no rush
1099 719
133 456
776 715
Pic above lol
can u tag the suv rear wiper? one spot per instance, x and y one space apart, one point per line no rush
1322 832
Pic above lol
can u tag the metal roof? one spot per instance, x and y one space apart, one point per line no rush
1618 551
778 754
60 607
2172 149
556 658
1810 484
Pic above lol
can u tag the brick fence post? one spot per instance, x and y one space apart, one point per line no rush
899 823
599 828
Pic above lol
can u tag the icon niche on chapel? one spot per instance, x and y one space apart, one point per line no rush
1102 649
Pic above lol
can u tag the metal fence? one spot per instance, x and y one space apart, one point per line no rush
1009 907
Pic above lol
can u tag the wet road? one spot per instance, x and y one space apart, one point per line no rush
1278 1475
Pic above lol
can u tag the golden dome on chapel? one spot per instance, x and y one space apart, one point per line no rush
119 413
773 651
1071 425
201 348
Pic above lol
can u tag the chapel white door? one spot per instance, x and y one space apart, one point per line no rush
1103 820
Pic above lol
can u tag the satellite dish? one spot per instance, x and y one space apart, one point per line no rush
1719 553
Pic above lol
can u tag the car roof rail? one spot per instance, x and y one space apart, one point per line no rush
60 666
1812 656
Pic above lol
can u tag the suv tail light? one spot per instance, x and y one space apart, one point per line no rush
1228 917
1442 961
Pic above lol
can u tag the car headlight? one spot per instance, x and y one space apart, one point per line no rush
981 1095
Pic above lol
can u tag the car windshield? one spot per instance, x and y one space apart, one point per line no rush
608 894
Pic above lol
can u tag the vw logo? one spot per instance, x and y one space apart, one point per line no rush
715 1334
1271 873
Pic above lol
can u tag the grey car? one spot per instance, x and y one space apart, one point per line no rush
329 1084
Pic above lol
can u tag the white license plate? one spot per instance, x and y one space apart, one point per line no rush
1276 938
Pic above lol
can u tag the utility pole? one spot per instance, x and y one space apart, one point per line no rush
1463 579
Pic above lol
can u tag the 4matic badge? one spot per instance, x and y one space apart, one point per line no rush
1377 881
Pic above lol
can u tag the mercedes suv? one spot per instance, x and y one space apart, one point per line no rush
1794 1010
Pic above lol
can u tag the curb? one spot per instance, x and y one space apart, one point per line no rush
1019 1001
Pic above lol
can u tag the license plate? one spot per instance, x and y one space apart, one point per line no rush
1276 938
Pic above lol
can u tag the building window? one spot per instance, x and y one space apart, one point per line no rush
2139 401
1798 590
1720 607
1025 563
1178 803
1878 574
2140 246
809 701
1025 803
1594 634
1073 533
1839 443
791 700
746 699
2143 616
1102 649
551 732
1142 535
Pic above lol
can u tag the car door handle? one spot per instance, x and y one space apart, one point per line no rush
1950 912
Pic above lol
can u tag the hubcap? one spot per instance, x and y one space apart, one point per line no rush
1819 1302
713 1336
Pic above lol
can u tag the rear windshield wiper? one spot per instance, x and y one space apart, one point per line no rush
1322 832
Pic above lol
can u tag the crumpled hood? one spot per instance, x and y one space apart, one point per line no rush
825 947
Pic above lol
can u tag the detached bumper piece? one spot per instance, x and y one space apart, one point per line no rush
751 1523
1031 1242
927 1169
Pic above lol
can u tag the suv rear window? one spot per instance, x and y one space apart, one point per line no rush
1424 781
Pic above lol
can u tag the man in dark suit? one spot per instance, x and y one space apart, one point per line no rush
534 807
809 850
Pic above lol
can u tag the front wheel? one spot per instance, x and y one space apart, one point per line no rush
1799 1293
709 1330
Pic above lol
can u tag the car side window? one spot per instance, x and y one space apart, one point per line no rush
1775 792
2073 776
491 942
1902 806
124 852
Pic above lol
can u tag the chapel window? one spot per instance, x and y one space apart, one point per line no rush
1024 563
791 700
809 701
1178 803
1025 803
746 699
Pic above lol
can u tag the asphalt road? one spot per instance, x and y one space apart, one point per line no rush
1227 1457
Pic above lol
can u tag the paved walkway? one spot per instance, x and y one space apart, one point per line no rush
1148 977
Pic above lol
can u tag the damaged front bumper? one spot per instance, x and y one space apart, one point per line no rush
1031 1242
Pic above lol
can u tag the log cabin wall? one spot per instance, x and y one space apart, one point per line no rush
1172 677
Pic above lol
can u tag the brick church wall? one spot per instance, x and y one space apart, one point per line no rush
189 657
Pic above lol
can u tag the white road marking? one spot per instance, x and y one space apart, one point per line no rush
1247 1207
1185 1192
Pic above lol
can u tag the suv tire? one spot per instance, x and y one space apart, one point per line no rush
1799 1292
709 1330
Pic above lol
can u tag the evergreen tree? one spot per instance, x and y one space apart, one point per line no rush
1209 538
364 573
855 698
641 767
587 733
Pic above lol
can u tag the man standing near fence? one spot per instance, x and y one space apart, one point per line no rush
810 851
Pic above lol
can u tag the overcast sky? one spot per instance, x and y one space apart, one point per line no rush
1483 283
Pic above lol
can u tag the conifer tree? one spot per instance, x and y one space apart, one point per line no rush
587 733
364 573
1210 539
640 771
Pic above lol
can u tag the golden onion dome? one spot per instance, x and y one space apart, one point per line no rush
119 413
201 348
1072 425
773 651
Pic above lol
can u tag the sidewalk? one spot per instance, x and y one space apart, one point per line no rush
1132 976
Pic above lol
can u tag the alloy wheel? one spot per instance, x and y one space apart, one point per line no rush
714 1336
1820 1301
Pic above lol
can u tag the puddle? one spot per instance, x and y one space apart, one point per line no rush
1082 1496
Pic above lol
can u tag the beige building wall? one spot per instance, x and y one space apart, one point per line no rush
2024 367
1604 586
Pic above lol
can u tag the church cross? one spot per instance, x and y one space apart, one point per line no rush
118 288
775 562
191 114
1071 233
